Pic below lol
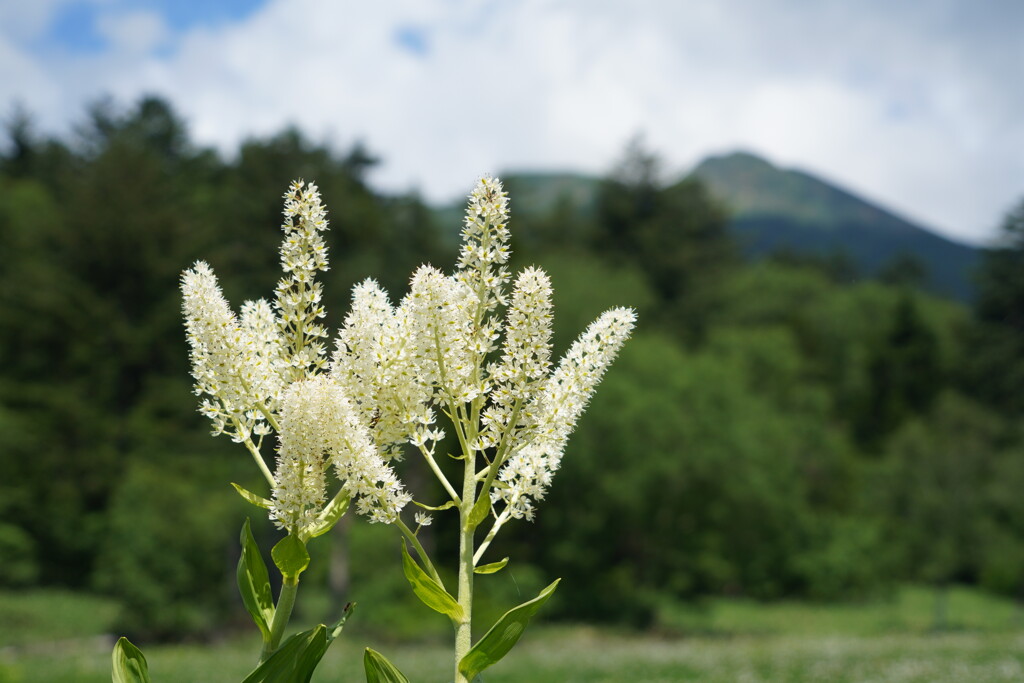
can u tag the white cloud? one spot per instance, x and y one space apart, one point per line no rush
911 106
133 33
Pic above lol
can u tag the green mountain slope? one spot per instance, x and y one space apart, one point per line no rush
774 209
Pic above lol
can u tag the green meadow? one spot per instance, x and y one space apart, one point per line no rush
891 640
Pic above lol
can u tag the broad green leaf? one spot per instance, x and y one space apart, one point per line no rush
505 633
429 591
380 670
492 567
330 515
258 501
299 655
129 665
295 660
449 504
254 583
290 556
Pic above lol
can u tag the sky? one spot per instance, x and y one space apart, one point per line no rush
916 105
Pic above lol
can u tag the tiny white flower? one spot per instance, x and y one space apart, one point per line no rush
303 253
320 427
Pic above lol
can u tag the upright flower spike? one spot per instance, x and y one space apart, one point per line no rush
374 362
320 427
525 357
442 317
557 406
303 253
306 439
218 346
485 238
262 359
360 352
482 270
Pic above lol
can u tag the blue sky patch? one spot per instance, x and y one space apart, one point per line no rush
412 39
73 28
185 14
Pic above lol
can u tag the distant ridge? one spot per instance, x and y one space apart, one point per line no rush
774 209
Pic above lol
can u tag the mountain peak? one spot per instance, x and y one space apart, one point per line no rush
737 160
773 208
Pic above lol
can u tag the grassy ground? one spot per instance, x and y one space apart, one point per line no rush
738 641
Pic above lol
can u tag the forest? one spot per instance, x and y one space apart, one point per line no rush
776 429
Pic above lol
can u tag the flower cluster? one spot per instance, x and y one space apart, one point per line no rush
439 349
395 367
303 253
260 372
556 406
234 362
320 427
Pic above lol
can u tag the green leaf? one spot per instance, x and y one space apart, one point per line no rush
129 665
449 504
334 630
299 655
330 515
481 507
254 582
380 670
295 660
505 633
492 567
290 556
428 590
258 501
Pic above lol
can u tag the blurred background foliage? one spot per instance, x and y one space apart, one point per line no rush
779 428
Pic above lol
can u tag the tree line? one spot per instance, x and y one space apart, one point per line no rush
770 432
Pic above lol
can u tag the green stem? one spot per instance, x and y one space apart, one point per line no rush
464 630
429 457
282 614
259 459
269 417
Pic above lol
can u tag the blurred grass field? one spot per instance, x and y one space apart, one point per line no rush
59 638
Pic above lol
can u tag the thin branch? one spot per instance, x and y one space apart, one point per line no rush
502 518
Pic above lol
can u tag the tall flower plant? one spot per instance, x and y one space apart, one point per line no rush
467 352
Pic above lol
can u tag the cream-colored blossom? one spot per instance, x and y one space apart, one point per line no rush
485 248
438 317
559 402
262 359
395 368
374 362
299 295
525 356
220 350
320 427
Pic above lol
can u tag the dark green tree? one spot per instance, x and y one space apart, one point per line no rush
936 475
996 363
676 234
905 374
